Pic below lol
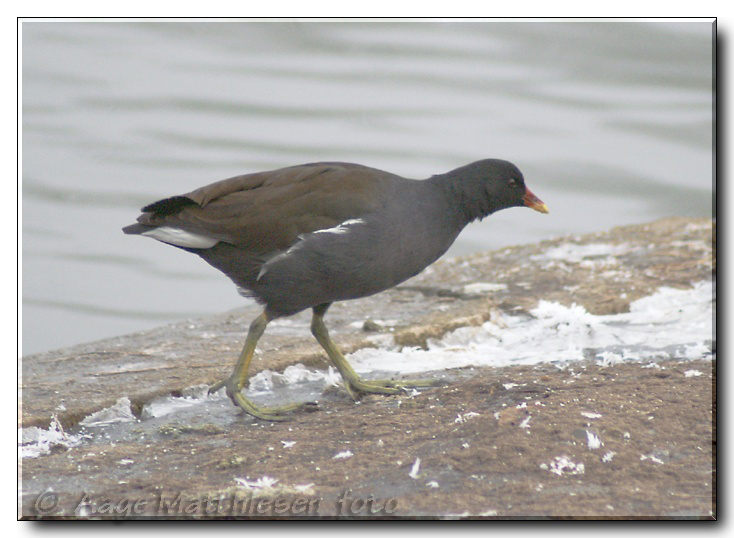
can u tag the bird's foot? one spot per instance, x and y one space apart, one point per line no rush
386 386
272 413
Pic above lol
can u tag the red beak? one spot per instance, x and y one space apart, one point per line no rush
533 202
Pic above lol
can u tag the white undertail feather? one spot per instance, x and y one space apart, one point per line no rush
181 238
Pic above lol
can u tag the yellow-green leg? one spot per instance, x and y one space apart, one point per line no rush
352 382
236 382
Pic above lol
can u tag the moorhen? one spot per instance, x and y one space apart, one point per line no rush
306 236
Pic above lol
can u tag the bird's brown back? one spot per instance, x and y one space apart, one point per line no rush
267 211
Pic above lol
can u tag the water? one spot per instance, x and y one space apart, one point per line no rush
611 123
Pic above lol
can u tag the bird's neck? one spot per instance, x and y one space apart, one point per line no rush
467 201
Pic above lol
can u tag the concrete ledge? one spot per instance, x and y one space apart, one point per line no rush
677 252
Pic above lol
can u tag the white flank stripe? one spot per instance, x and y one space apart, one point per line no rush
302 239
266 266
342 228
181 238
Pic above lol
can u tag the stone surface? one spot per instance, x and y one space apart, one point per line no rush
485 450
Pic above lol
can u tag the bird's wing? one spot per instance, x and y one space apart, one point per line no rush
267 211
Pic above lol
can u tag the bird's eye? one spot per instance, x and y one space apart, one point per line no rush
513 182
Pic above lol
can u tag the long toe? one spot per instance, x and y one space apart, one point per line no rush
407 383
217 386
357 385
272 413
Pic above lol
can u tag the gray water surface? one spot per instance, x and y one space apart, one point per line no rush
611 123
